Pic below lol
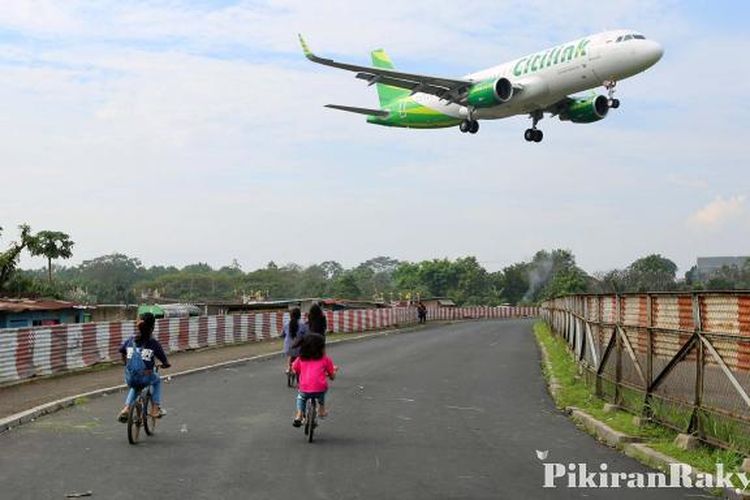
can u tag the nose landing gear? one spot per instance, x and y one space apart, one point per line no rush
610 86
533 134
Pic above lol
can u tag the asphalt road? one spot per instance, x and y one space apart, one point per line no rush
454 411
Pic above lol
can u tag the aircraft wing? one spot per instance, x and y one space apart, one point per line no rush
362 111
445 88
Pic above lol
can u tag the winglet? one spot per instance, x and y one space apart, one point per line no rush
305 48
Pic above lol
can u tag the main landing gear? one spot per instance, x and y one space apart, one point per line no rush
470 126
533 134
610 86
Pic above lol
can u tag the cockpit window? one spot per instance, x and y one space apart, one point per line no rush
639 37
619 39
627 37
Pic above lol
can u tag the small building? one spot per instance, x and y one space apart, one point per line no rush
170 310
114 312
342 304
430 303
24 313
707 266
437 302
225 308
287 304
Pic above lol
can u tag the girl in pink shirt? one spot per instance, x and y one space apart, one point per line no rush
314 369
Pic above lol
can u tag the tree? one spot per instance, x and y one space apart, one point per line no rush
651 273
610 282
407 280
9 258
692 278
331 268
312 282
200 267
34 284
464 280
514 282
568 281
110 278
545 267
53 245
381 264
346 287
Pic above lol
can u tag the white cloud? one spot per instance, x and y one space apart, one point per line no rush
718 212
208 120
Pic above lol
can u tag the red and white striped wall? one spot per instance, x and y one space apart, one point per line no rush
30 352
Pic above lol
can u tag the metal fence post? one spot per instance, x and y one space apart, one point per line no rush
618 350
695 425
598 381
646 410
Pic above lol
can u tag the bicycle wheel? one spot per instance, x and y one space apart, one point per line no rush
307 418
149 422
134 421
310 418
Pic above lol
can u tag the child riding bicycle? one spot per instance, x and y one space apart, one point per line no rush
313 368
293 333
146 348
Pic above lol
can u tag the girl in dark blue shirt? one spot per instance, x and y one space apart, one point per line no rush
150 348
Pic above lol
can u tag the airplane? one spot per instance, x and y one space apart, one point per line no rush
537 84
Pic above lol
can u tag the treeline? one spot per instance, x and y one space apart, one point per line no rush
119 278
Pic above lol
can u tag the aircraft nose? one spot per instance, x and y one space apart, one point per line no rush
653 52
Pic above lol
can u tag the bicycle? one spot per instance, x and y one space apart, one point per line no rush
139 414
311 417
291 379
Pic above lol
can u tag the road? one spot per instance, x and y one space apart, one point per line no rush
447 412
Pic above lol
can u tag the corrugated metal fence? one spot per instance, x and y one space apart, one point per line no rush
30 352
682 359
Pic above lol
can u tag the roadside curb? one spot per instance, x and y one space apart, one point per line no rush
552 384
658 460
631 446
600 430
26 416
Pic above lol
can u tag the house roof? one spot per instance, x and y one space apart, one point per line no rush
21 305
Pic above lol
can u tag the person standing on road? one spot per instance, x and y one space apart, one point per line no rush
422 312
316 320
143 345
292 334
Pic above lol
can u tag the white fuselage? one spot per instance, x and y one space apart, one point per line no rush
546 77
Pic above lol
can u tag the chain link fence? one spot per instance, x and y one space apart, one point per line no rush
680 359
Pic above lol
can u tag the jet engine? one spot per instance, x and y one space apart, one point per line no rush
587 110
489 93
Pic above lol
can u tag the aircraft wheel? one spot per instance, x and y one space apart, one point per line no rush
465 126
538 136
615 103
529 134
474 127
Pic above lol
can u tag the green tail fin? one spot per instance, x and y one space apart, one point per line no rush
386 93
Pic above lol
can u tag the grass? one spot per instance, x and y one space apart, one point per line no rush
574 391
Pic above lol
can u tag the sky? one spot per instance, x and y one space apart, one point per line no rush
194 131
